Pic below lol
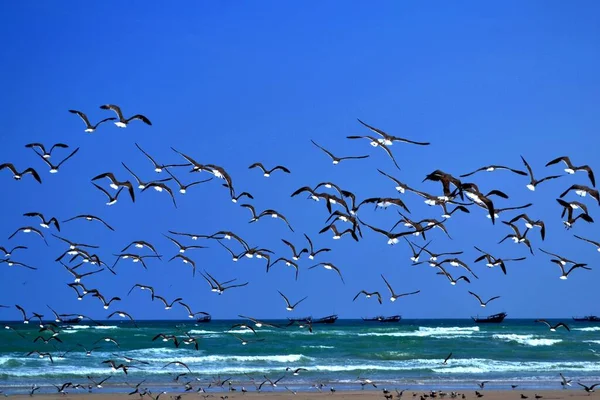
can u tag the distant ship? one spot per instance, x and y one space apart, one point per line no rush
206 318
379 318
330 319
496 318
587 318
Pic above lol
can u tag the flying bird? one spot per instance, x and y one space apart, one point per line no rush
44 153
19 175
395 296
45 223
481 302
571 169
54 168
490 168
268 172
553 328
122 122
534 182
289 306
116 184
387 139
89 128
337 160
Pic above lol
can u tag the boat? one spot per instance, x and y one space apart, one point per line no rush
206 318
380 318
587 318
495 319
330 319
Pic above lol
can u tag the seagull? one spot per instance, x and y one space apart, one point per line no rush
45 223
122 122
239 196
182 248
78 276
534 182
530 224
569 210
517 237
89 218
311 251
387 139
25 319
116 184
337 160
553 327
274 214
446 359
41 355
12 263
289 263
400 187
116 367
178 363
266 172
337 234
258 323
564 261
160 187
8 253
395 296
289 306
491 168
168 305
368 295
588 389
597 244
220 287
142 287
89 128
186 260
141 244
564 382
29 229
450 278
105 303
580 190
566 274
44 153
446 180
393 238
329 266
19 175
481 302
158 167
98 384
494 261
192 314
295 255
111 199
54 168
183 188
376 143
245 341
571 169
134 257
142 185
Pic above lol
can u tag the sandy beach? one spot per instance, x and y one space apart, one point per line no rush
354 395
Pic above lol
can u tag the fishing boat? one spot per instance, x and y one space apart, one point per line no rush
205 318
494 319
587 318
330 319
380 318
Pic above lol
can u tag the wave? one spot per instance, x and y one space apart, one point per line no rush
319 347
528 340
588 329
439 333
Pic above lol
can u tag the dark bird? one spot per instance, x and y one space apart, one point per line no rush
553 328
450 278
18 175
337 234
157 167
268 172
168 305
178 363
219 287
311 250
12 263
329 266
116 184
295 255
111 199
41 355
105 303
186 260
45 223
571 169
564 275
288 263
589 389
289 306
54 168
142 184
517 237
161 187
183 188
141 244
530 223
122 122
44 153
182 248
387 139
581 191
395 296
570 221
89 128
481 302
534 182
597 244
446 180
192 314
368 295
8 253
375 143
116 367
142 287
29 229
446 359
239 196
46 341
337 160
490 168
89 218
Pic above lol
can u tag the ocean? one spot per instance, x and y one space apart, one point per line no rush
407 354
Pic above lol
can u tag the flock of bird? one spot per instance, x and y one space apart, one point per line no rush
346 221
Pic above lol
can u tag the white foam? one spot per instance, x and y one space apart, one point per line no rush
589 329
528 340
438 333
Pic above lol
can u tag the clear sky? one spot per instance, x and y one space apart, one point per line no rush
233 83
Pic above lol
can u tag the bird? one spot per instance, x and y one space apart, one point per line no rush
295 255
45 223
183 188
219 287
42 355
393 295
178 363
445 362
44 153
185 260
111 199
376 143
116 184
329 266
122 122
288 263
564 275
8 253
337 234
12 263
98 384
580 190
182 248
141 244
387 139
553 328
570 221
532 181
116 367
78 276
337 160
142 287
517 237
311 250
29 229
90 218
289 306
400 187
158 168
571 169
530 223
19 175
89 128
482 384
564 382
191 314
491 168
274 214
105 304
481 302
161 187
142 184
450 278
54 168
168 305
368 295
235 199
589 389
268 172
597 244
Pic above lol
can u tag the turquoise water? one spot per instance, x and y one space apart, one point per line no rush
408 354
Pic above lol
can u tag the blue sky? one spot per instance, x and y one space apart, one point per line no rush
232 84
